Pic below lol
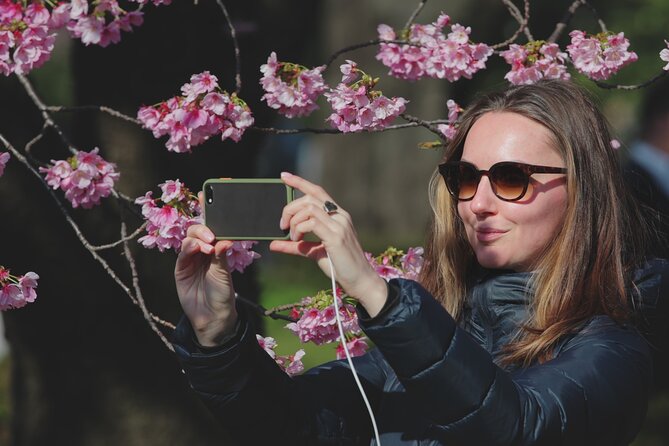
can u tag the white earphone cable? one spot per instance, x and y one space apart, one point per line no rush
348 355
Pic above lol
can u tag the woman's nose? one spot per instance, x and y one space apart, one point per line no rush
484 201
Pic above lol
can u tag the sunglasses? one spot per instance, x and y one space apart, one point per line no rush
509 180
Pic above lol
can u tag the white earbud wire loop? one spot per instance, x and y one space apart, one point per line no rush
348 354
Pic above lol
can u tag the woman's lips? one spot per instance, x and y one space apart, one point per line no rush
489 234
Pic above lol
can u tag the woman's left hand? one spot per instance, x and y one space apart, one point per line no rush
338 240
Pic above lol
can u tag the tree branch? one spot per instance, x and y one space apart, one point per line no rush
366 44
419 8
123 239
523 26
262 310
68 218
100 108
138 292
606 86
233 34
45 115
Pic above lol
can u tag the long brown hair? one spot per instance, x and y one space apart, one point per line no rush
585 270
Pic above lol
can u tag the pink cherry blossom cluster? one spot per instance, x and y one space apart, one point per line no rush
429 52
599 56
98 22
449 130
16 291
664 55
203 110
356 346
291 89
317 321
85 178
394 263
169 216
535 60
358 106
240 255
4 159
291 364
25 38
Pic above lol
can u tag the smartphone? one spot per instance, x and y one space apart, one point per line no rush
246 208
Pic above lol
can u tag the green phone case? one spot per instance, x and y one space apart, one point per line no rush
246 208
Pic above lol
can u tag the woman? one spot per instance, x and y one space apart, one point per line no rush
519 334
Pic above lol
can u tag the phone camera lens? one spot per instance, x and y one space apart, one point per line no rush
209 194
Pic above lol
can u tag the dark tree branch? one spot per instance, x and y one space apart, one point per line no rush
238 59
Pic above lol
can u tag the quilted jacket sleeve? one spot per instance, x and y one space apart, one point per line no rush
258 403
594 392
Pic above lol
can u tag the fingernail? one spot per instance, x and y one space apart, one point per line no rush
286 174
209 236
209 249
282 224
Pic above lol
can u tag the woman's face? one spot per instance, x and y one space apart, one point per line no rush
512 235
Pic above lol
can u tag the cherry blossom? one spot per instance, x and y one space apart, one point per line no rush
356 347
96 23
449 130
202 111
535 60
85 178
16 291
358 106
291 364
240 255
4 159
599 56
664 55
317 320
291 89
429 52
394 263
25 38
412 262
168 217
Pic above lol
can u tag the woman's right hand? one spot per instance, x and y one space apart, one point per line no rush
205 287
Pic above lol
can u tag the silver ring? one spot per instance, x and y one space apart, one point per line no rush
330 208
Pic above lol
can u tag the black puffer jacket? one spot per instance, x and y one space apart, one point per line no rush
432 382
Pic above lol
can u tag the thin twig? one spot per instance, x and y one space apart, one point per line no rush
262 310
233 34
163 322
122 240
431 126
522 20
631 87
366 44
562 24
45 115
68 218
100 108
28 147
419 8
601 23
135 283
521 28
416 123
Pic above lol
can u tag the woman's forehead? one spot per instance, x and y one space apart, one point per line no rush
506 136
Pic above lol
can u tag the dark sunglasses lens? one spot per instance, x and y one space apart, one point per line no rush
510 181
461 180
